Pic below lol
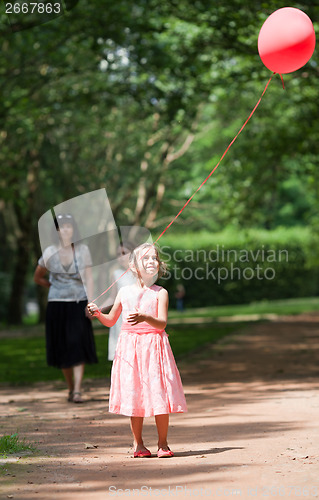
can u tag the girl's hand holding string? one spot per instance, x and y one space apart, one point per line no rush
93 309
106 319
87 313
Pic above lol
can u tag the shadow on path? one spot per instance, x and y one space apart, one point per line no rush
256 394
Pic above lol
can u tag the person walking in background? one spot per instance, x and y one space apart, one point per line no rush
180 295
145 380
69 334
120 279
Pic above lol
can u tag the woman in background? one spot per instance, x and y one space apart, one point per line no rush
69 334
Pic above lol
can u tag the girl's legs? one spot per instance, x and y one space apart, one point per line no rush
162 429
137 427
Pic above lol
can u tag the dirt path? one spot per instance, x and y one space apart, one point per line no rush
251 432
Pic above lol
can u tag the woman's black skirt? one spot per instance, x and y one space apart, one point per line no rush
69 335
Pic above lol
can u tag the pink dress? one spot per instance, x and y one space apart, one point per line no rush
145 380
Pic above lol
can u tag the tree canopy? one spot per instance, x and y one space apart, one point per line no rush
143 99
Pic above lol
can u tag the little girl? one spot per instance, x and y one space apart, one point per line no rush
145 380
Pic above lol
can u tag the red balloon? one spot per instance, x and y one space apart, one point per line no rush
286 40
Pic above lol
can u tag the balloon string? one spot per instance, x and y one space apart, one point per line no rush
223 155
112 284
204 182
282 80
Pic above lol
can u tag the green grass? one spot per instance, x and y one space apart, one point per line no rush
280 307
185 340
31 319
23 359
11 444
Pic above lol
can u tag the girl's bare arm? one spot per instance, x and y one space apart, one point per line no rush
107 319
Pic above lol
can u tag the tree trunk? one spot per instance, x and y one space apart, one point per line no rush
16 301
24 216
42 293
42 297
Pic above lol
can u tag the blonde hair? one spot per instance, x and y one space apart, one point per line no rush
162 268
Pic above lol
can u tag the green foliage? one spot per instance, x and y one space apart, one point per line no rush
143 99
240 267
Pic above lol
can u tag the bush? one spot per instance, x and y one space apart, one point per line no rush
240 267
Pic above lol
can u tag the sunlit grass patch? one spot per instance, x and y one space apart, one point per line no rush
12 444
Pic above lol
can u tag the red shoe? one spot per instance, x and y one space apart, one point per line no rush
142 454
165 453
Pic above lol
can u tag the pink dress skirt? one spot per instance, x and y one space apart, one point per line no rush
145 380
